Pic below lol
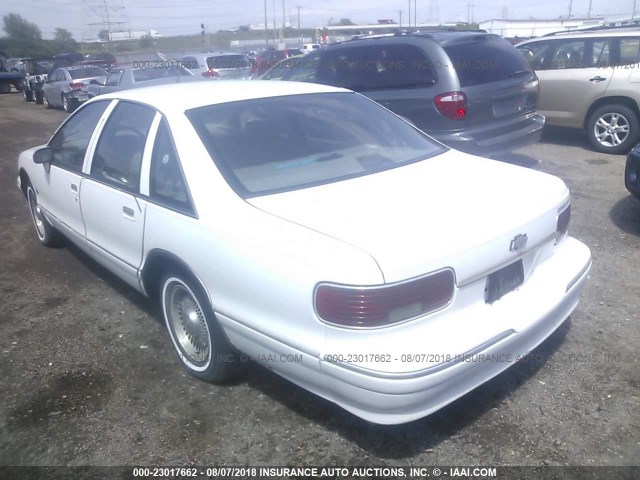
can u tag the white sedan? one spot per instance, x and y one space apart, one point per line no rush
315 232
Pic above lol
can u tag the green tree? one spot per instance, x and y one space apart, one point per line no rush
20 29
103 35
63 40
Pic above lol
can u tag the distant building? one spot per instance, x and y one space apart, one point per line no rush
536 28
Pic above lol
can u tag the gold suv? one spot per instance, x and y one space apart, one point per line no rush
590 80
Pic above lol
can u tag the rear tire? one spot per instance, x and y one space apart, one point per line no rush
69 104
27 94
46 233
197 337
613 129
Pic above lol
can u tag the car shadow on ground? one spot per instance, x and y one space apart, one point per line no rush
517 159
120 287
625 215
567 137
405 441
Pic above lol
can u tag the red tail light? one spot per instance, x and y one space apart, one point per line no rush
562 226
76 85
211 73
353 306
452 105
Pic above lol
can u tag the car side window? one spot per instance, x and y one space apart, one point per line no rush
113 79
378 66
167 185
118 156
70 142
601 53
629 50
535 53
569 54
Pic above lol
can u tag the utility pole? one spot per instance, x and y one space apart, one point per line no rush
275 32
570 8
400 23
266 29
409 12
589 13
415 13
633 13
298 7
284 18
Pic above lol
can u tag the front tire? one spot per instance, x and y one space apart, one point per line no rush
45 101
197 336
613 129
47 235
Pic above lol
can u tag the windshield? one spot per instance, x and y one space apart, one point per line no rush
87 72
279 144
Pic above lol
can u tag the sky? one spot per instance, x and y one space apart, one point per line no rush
183 17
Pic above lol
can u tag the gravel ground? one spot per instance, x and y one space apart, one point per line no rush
89 376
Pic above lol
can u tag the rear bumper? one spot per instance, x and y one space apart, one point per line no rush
494 138
632 172
540 306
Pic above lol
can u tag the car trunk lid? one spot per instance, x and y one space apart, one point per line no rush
453 210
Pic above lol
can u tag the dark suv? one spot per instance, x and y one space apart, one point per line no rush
470 90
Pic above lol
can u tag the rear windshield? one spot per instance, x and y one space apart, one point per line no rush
146 74
87 72
278 144
228 61
371 67
486 60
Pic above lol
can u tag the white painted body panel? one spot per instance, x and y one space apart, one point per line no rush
260 260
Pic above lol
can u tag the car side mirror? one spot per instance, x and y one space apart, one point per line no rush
44 156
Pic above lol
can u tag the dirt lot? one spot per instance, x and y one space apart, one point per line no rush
89 375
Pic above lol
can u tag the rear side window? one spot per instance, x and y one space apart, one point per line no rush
376 67
167 185
486 60
118 156
535 53
629 50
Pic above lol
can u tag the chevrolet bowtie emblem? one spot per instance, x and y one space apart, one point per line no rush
518 242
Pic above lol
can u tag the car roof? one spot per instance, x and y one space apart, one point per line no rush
594 33
441 37
178 97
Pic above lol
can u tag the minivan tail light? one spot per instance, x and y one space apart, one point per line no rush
452 105
76 85
211 73
562 225
377 306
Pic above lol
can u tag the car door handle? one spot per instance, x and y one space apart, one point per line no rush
597 79
74 188
128 212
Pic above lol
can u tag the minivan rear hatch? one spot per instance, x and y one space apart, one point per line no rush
495 78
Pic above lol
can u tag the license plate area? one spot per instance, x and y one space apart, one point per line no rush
503 281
